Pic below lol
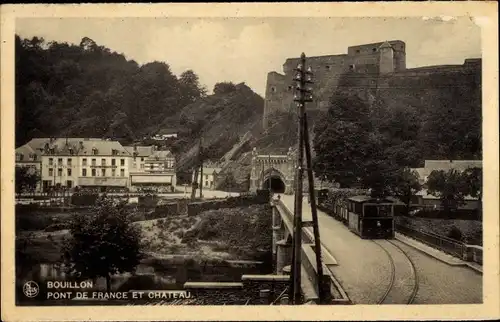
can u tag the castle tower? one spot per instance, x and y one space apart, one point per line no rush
386 57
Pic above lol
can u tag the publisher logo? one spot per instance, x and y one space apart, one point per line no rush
31 289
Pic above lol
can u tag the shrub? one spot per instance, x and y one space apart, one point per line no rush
57 226
455 233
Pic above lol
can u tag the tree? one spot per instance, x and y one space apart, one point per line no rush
404 185
190 87
103 243
224 88
26 179
474 184
449 187
342 141
228 181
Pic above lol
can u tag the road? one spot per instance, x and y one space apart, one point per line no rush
360 271
364 270
440 283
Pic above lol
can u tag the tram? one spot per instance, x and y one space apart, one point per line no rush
371 218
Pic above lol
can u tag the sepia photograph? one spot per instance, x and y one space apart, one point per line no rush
260 160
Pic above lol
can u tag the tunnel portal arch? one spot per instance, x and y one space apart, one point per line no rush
275 171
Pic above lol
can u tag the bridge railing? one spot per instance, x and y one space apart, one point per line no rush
442 243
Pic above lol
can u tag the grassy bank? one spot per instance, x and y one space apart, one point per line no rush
470 230
233 233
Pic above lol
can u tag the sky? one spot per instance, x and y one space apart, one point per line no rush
246 49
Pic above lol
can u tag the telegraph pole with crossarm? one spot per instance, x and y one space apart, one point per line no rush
303 94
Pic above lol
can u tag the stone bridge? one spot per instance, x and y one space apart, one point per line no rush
273 171
282 221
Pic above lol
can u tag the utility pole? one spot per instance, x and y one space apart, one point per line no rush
270 178
314 213
303 94
297 247
201 156
195 174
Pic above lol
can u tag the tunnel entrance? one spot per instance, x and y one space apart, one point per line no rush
275 183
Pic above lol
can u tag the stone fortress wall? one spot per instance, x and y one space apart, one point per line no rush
367 67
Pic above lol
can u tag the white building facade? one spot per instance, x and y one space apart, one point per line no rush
86 163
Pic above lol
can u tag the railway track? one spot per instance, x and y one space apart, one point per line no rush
403 283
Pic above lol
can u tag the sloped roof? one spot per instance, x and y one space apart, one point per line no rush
385 44
84 147
161 155
167 131
426 195
452 164
142 151
35 146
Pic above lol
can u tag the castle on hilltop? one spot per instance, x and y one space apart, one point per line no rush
371 65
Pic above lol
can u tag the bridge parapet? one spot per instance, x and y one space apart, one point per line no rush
333 287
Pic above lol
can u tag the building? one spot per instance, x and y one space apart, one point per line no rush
86 163
29 155
431 165
366 68
210 173
165 134
152 169
424 199
139 155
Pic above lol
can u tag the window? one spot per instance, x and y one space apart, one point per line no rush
59 161
69 172
93 162
84 162
35 157
273 89
103 172
122 173
206 183
113 172
51 161
352 67
94 173
69 184
71 151
113 161
70 162
374 50
142 165
21 157
206 176
290 87
59 172
84 172
103 162
142 159
122 162
51 172
357 51
94 151
135 164
328 67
